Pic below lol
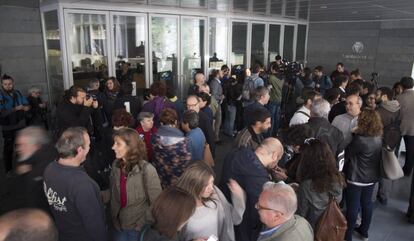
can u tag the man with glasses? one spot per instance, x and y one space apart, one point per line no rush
250 168
276 206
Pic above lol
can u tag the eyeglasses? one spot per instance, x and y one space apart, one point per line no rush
258 207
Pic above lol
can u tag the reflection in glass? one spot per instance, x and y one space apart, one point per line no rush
192 31
239 44
301 42
290 8
288 43
89 47
303 9
274 42
218 42
258 44
54 54
259 6
276 7
129 36
164 42
241 5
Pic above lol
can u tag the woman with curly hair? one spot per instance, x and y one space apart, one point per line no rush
362 170
319 180
111 91
134 185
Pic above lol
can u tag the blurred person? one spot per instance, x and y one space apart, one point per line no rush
340 70
251 82
322 81
214 215
370 101
37 115
27 224
253 134
205 101
250 168
260 98
171 149
276 206
319 180
275 85
233 96
196 138
147 131
73 197
339 108
306 78
111 91
333 96
398 89
14 107
340 84
132 179
158 101
217 91
199 79
362 171
170 211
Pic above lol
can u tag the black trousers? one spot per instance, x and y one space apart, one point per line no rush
409 155
8 149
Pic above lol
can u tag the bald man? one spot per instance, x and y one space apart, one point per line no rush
27 224
250 168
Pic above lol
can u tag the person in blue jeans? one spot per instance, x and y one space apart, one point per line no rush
362 171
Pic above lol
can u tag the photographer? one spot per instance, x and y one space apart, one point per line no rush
75 110
13 106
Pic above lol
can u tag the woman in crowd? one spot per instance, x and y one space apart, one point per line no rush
111 91
170 212
158 101
319 180
147 131
37 115
171 152
214 215
134 185
205 100
362 170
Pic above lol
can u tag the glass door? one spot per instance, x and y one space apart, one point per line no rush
164 49
258 42
129 38
239 45
193 38
87 43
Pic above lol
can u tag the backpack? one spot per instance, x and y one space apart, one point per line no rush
248 88
332 224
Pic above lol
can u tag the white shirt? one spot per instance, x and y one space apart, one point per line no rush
300 117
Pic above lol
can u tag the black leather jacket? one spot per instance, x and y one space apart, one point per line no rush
363 157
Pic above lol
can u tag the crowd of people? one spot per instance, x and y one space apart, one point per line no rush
121 167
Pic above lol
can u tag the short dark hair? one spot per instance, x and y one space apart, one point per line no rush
297 134
5 76
319 68
340 64
69 142
387 91
126 87
158 88
190 117
354 88
278 57
225 67
204 97
340 80
309 94
259 115
256 68
331 95
355 72
407 82
73 91
121 117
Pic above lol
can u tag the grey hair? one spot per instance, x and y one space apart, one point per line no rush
320 108
259 92
69 142
281 197
36 135
190 117
142 115
33 88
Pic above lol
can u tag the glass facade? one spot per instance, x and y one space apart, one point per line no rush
258 44
288 42
218 40
239 44
274 42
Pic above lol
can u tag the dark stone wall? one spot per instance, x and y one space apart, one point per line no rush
21 44
388 47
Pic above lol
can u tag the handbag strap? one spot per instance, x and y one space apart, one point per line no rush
145 183
146 227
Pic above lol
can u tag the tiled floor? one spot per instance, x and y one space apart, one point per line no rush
388 223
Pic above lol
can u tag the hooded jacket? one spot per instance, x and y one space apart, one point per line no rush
244 166
389 112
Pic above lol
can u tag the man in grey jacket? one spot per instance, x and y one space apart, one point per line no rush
277 205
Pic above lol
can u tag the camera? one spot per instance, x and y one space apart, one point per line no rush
88 96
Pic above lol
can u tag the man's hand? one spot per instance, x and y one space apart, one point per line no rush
26 108
95 104
19 107
279 173
23 168
88 102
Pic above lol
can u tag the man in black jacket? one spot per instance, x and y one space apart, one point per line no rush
75 110
74 198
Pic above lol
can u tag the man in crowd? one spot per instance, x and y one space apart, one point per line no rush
275 100
199 79
193 103
277 205
302 115
250 169
322 81
252 135
346 122
261 98
27 224
340 70
74 198
13 106
75 110
195 135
